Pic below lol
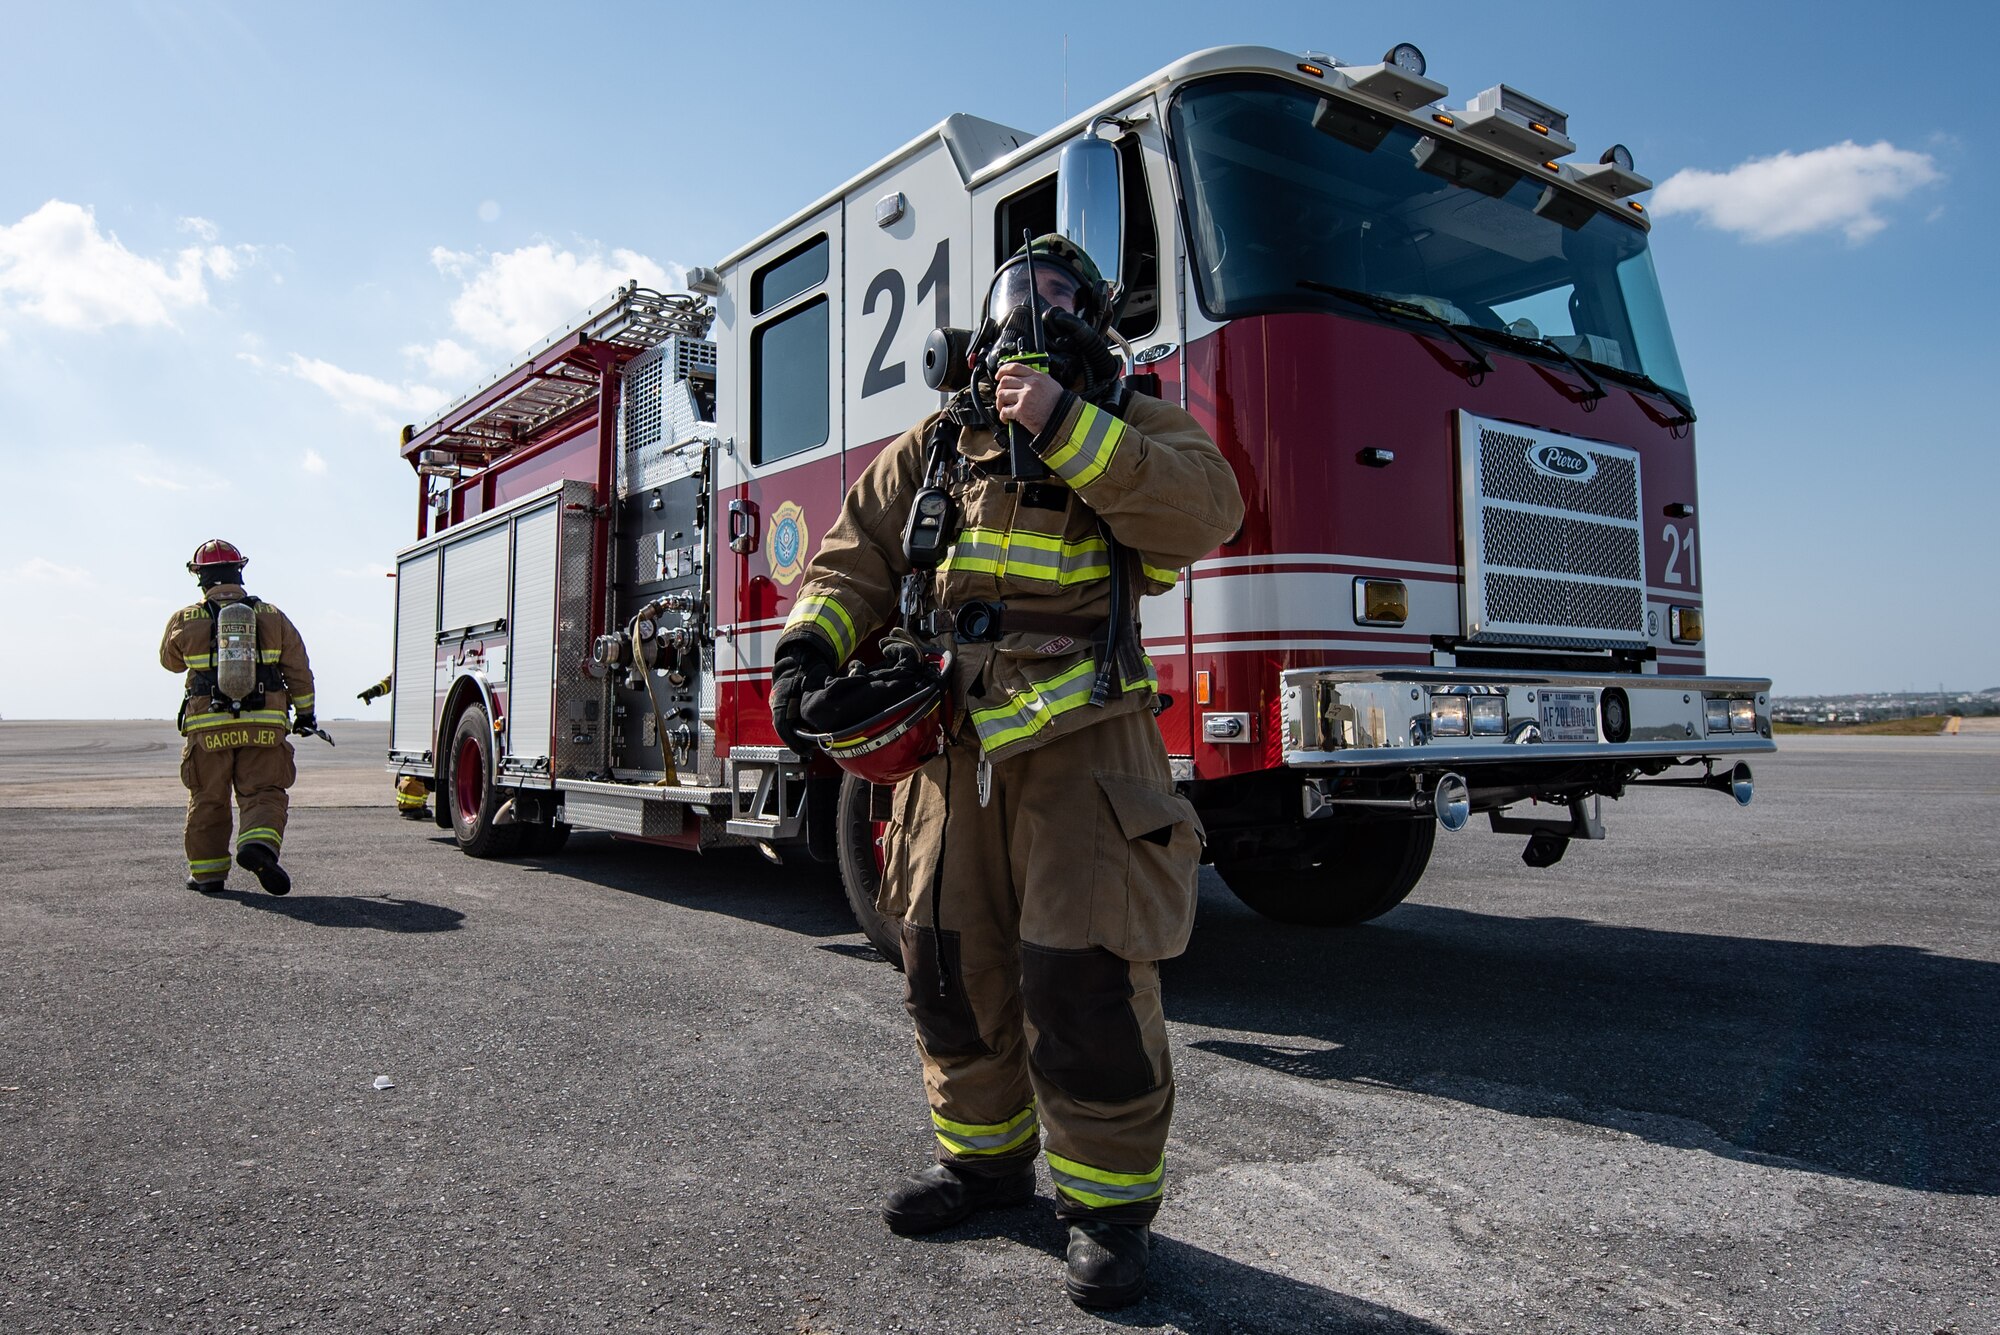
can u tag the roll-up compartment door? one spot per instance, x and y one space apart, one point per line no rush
414 701
531 626
475 580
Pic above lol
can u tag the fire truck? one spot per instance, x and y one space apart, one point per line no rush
1429 341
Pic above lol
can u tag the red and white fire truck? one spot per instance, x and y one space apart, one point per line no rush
1432 347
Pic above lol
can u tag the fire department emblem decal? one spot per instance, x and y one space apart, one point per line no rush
786 542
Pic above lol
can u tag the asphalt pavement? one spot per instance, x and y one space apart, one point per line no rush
1730 1069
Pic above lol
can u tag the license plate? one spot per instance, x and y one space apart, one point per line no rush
1569 716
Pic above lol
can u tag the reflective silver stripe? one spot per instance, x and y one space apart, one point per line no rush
1083 458
987 1138
1029 711
1095 1190
1030 556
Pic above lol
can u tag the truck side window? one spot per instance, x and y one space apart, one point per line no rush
800 270
791 375
1032 210
1141 259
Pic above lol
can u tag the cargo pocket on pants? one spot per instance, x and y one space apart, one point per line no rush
934 993
1148 859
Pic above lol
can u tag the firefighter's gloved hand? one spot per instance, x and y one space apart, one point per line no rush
369 695
304 724
803 665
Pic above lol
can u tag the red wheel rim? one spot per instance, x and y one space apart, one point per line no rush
469 779
877 831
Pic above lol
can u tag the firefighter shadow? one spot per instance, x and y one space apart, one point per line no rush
1202 1292
380 914
736 882
1867 1062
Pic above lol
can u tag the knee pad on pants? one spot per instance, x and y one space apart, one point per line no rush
935 994
1087 1042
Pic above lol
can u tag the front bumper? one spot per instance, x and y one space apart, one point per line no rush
1375 719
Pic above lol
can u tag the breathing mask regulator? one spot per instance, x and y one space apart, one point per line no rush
1048 306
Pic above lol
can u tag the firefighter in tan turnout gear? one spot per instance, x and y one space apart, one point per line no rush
1041 863
246 666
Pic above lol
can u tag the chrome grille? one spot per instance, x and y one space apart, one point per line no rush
1549 559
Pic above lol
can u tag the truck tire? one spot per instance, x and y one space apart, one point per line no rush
475 798
861 868
1363 869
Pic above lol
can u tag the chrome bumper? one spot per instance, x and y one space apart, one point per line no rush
1384 719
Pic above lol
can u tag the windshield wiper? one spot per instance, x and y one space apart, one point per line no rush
1547 346
1644 381
1407 310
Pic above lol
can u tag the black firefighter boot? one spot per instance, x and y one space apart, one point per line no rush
946 1193
261 861
1107 1262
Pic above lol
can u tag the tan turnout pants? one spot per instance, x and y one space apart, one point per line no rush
1031 931
258 775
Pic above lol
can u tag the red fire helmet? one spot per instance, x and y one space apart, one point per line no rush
216 552
896 742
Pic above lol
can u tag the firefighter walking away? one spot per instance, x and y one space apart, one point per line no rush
1037 855
248 683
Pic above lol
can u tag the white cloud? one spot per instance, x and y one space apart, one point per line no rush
387 406
515 298
41 570
57 266
201 228
314 462
448 360
1840 187
154 482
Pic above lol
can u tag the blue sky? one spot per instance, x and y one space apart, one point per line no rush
240 244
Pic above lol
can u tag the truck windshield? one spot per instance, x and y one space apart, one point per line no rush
1291 194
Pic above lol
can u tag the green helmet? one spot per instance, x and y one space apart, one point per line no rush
1053 251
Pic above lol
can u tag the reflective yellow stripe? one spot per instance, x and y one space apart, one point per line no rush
1038 557
1082 459
838 628
1159 576
196 866
971 1139
274 718
261 835
268 655
302 701
1100 1188
1026 712
200 661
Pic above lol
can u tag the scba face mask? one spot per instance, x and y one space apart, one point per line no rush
1079 357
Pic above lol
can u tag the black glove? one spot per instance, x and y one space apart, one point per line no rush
803 664
304 724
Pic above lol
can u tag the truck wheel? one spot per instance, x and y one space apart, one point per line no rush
1363 869
475 798
861 868
541 841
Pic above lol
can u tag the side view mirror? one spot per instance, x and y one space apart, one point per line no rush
1089 205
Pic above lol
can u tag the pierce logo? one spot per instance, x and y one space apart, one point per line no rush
1556 460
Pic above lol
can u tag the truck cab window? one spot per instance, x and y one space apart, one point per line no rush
791 383
786 277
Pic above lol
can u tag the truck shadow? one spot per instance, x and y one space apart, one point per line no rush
1869 1062
737 882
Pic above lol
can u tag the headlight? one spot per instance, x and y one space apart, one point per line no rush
1489 716
1716 714
1450 716
1742 716
1684 625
